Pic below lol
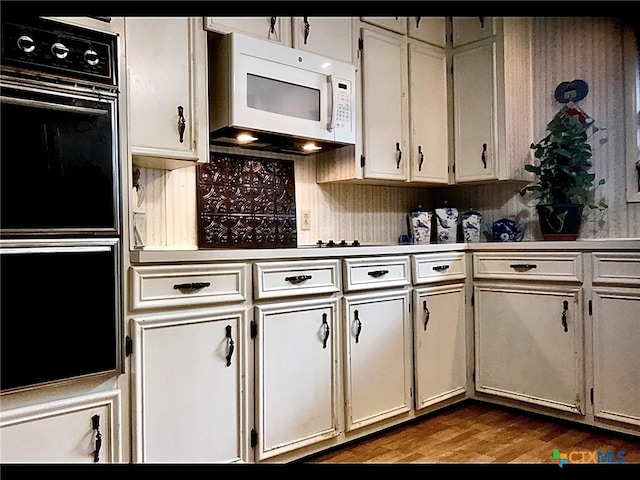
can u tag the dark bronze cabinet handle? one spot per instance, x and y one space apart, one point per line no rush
298 279
182 123
441 268
307 28
484 155
418 22
191 286
273 25
481 22
523 266
358 326
378 273
326 330
95 420
427 314
230 344
565 308
421 155
398 155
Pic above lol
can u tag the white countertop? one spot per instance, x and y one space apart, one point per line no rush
177 255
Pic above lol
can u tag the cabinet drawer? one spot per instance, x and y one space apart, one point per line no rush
287 279
565 266
169 286
437 267
616 267
376 272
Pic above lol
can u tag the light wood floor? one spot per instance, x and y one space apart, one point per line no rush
479 433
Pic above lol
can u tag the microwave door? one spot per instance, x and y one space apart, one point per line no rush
275 97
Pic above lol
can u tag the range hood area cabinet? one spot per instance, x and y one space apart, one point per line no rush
167 92
480 132
402 114
331 36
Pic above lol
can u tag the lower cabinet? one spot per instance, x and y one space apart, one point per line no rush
439 343
190 386
296 376
529 344
378 357
615 310
82 429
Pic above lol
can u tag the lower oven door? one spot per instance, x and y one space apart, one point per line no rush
59 161
60 314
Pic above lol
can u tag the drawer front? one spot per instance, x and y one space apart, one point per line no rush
616 267
550 266
437 267
376 272
167 286
287 279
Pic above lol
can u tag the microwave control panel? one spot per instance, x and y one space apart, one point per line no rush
344 109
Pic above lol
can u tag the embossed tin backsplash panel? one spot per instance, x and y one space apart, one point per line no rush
246 202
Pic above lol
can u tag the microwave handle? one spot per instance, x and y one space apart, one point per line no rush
332 106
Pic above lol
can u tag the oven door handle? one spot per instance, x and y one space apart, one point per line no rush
52 106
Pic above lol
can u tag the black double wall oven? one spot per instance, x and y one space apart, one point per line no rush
60 209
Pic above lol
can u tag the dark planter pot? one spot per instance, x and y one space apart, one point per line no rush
561 221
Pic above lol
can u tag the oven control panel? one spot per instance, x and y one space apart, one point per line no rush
42 46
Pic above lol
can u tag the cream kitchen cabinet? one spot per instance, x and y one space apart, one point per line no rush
529 335
80 429
330 36
167 91
404 109
297 350
615 312
428 29
274 29
190 357
439 327
395 24
190 387
471 29
377 342
491 99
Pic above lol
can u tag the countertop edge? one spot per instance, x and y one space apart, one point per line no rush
181 255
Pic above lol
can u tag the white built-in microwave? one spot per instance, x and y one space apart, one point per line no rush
283 98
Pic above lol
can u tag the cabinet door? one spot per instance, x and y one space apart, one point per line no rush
83 429
274 29
429 152
330 36
471 29
166 62
616 337
378 357
296 375
188 388
428 29
384 105
474 95
395 24
439 343
529 344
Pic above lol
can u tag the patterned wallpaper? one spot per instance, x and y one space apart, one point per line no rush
564 49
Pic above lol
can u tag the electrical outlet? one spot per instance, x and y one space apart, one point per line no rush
305 220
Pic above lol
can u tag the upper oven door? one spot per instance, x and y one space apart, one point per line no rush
59 162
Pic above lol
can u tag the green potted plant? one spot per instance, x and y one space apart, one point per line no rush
564 186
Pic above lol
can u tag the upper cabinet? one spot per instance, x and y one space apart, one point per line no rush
471 29
167 91
274 29
492 104
395 24
330 36
428 29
